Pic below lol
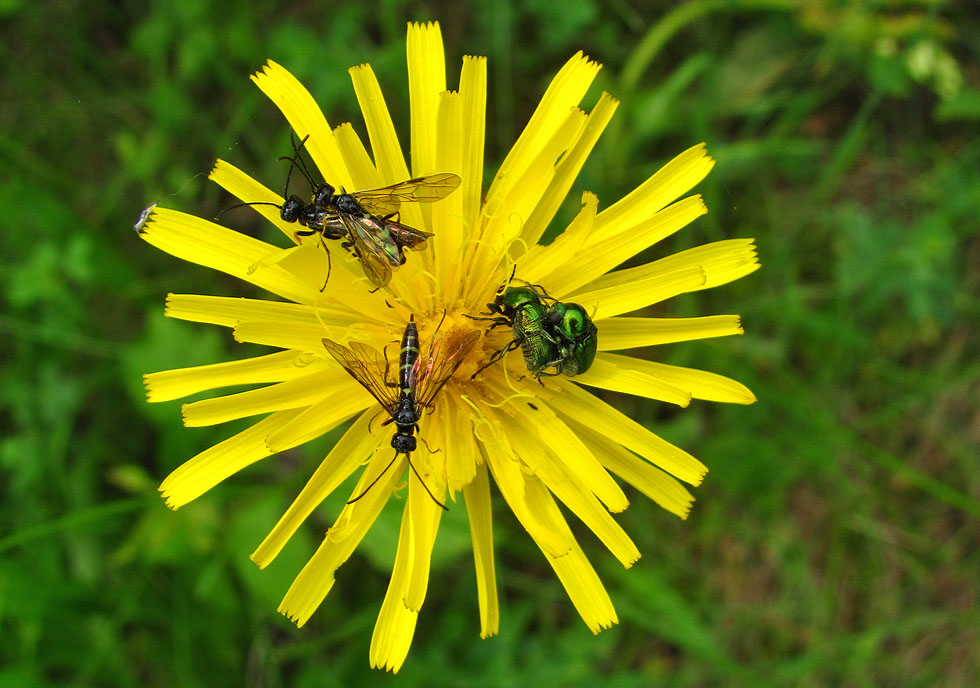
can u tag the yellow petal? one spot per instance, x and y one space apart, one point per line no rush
459 446
291 394
278 367
568 169
570 489
658 287
395 627
304 115
596 259
426 80
542 260
722 262
506 469
342 460
317 577
628 333
198 475
214 310
574 571
288 327
473 92
446 216
301 336
605 374
425 515
675 178
198 241
579 405
362 171
650 480
573 458
565 91
699 383
515 198
381 131
247 190
477 494
348 398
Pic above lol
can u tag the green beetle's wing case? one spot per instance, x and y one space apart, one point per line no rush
578 337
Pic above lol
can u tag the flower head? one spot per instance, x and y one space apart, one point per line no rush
483 425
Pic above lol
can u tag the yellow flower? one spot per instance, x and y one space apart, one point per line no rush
535 441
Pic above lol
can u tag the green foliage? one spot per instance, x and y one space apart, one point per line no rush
833 542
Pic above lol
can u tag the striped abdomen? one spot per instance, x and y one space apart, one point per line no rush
407 356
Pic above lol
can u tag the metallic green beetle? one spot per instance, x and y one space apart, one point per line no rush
559 335
576 336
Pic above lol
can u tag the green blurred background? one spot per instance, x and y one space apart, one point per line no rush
834 542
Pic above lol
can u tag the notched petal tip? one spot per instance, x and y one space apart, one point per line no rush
266 70
292 616
166 492
148 387
423 26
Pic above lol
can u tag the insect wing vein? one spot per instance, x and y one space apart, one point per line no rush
366 366
428 189
438 373
374 261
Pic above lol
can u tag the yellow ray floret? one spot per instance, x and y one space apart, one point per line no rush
306 119
291 394
570 489
699 383
576 574
363 172
278 367
721 261
565 91
648 479
198 241
605 374
677 177
198 475
426 80
342 460
477 494
574 458
567 170
629 333
579 405
317 577
473 92
247 190
381 130
648 290
321 417
595 259
510 480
